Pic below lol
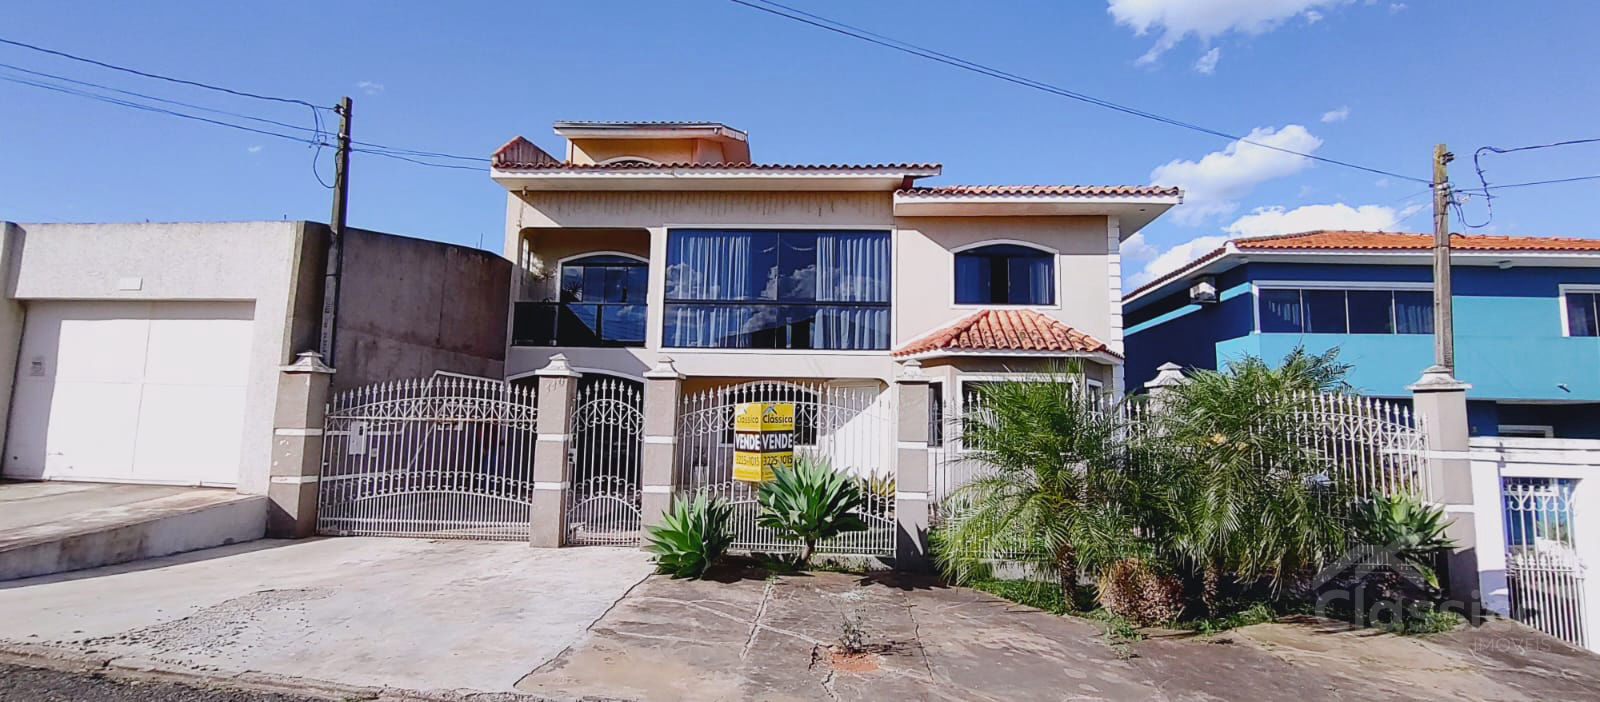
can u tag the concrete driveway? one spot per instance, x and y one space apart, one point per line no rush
403 613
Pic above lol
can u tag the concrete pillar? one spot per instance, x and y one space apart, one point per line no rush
552 469
912 472
1441 403
1169 376
297 424
659 474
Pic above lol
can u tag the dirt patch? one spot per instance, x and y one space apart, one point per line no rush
220 627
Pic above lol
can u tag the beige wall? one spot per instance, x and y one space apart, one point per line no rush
923 268
925 265
547 247
660 150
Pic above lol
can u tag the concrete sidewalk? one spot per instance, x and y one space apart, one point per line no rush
399 613
773 639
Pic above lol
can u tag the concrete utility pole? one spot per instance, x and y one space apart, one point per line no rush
1444 333
330 280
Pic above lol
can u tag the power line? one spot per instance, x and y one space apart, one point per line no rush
838 27
1483 178
157 76
286 125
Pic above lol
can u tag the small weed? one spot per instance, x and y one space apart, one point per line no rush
1255 613
1038 595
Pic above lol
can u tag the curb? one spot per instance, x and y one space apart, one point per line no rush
134 668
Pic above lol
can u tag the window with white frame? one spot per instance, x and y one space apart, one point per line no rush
1582 311
1318 310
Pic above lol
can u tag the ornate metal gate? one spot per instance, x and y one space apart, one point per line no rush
440 457
850 427
1544 574
607 445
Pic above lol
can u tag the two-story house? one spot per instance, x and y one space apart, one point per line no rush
1525 329
654 239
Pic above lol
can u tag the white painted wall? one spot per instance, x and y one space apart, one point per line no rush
254 265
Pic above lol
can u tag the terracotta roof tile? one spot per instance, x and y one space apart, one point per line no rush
1040 190
1005 330
521 154
1345 240
1398 241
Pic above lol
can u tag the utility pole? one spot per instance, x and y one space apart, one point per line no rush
1444 333
330 280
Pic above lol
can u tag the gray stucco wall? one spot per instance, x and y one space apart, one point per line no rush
409 307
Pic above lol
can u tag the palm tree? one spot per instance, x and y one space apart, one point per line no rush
1057 492
1249 500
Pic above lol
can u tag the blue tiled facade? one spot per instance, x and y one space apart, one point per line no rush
1510 342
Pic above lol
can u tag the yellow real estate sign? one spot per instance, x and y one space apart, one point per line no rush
763 439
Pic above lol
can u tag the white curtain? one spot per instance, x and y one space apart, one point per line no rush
852 267
708 266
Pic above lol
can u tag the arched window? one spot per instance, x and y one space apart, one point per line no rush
603 300
1005 274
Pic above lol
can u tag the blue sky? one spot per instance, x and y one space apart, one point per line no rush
1375 83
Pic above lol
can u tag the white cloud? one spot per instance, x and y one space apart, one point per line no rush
1172 259
1135 248
370 87
1269 221
1313 17
1396 8
1338 115
1207 62
1213 185
1382 182
254 149
1206 19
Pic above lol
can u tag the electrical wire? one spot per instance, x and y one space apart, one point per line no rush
838 27
318 139
1483 178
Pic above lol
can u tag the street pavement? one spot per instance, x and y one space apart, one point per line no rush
21 684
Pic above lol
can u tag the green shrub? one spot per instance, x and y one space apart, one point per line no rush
692 536
808 503
1412 531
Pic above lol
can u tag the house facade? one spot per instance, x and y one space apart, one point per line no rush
652 240
1525 335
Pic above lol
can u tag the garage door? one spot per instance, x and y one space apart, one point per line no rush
130 392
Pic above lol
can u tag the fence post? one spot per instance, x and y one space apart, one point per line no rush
297 425
911 468
552 470
658 477
1169 376
1441 403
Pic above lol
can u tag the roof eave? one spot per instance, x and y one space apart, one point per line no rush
1133 212
708 179
1102 356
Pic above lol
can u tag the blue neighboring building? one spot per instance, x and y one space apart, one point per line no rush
1526 320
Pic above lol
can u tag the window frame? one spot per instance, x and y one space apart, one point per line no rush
1055 275
1257 287
577 260
660 321
1565 289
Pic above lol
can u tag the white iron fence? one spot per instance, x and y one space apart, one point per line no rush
1373 446
849 427
1544 574
441 457
607 445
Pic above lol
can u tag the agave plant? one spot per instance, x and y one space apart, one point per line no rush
691 537
1413 532
808 503
879 489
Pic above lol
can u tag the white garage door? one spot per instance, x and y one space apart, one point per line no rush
130 392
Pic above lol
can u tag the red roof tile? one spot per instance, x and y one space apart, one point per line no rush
1344 240
1005 330
521 154
1397 241
1040 190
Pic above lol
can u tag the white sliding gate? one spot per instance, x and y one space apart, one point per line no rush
851 427
439 457
607 446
